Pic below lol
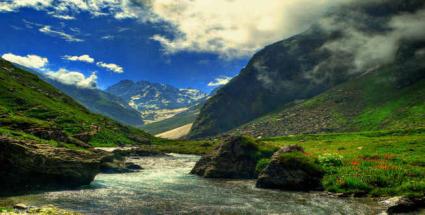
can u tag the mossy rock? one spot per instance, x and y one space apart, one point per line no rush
291 170
235 158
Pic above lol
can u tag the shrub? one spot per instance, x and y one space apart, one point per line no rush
330 160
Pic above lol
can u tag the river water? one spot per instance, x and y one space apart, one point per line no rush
166 187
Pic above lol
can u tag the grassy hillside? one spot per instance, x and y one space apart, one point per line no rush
393 97
33 109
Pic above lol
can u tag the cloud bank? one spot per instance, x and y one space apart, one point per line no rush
228 28
236 28
73 78
365 50
29 61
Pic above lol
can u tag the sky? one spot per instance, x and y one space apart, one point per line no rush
199 44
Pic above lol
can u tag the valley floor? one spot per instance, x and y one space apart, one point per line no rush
383 163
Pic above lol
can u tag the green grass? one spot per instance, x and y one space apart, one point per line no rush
375 163
28 103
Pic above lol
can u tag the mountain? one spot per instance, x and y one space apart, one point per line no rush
347 43
98 101
155 101
379 100
31 109
181 119
184 119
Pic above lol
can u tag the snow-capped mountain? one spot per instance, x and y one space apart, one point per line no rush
156 101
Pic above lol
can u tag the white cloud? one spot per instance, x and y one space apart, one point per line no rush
13 5
372 50
73 78
234 28
222 80
56 33
66 9
60 16
110 66
30 61
84 58
229 28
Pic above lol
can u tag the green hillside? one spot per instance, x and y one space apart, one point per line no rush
391 98
98 101
33 109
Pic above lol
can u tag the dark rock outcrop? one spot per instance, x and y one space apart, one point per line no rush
115 164
27 165
235 158
136 152
290 169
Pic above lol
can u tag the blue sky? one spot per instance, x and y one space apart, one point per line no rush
198 44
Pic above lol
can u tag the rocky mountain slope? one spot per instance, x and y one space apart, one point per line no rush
345 44
31 109
379 100
156 101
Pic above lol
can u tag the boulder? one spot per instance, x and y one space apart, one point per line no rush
400 204
235 158
116 164
20 206
132 166
28 165
290 169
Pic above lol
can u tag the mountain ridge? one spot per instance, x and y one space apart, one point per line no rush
156 101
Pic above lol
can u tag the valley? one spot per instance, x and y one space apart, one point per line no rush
327 118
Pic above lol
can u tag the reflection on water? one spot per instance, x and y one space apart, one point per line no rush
165 187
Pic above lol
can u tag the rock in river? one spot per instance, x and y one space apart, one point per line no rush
235 158
27 165
290 169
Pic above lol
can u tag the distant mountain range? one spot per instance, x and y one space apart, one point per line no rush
351 42
101 102
155 101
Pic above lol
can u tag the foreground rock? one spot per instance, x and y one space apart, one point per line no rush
235 158
290 169
27 165
400 204
116 164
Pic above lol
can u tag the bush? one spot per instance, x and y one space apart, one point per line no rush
330 160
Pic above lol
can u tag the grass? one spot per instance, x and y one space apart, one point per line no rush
28 103
379 163
375 163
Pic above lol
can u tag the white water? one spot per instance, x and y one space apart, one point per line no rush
166 187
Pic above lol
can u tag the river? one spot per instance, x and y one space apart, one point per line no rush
165 186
